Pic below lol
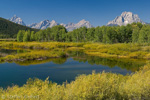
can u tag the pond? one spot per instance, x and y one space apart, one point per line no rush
61 69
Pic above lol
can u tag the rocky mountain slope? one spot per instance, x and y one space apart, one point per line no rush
82 23
43 24
46 23
125 18
17 20
70 26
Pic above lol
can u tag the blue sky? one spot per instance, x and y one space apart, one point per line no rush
98 12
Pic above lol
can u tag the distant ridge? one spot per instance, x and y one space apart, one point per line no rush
70 26
46 23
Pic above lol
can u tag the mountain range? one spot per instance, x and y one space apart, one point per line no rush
43 24
46 23
124 19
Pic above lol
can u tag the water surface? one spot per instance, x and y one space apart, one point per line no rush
61 69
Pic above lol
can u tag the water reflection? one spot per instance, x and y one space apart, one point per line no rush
36 62
61 69
128 64
8 51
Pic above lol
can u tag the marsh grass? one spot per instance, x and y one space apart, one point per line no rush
37 50
136 51
120 50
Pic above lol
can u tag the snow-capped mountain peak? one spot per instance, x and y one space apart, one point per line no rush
125 18
17 20
84 23
43 24
53 23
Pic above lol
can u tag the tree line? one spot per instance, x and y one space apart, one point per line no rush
135 33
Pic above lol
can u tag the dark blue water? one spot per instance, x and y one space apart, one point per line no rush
12 73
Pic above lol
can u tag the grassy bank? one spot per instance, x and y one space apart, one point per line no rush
37 50
47 50
123 50
40 45
102 86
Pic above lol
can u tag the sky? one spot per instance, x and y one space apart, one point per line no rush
97 12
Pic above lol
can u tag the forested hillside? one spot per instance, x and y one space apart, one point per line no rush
9 29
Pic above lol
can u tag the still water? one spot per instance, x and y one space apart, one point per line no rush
61 69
